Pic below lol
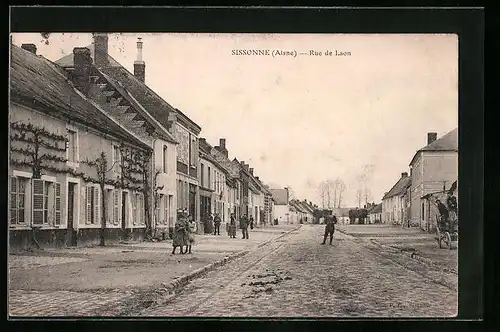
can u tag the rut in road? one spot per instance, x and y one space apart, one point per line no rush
242 264
343 280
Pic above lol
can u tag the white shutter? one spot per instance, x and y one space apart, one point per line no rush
116 209
134 208
97 205
38 202
88 204
142 210
57 203
13 200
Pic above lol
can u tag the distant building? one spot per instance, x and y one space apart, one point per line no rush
392 202
375 214
281 208
433 169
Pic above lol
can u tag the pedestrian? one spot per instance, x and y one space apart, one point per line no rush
251 222
217 222
179 239
329 228
232 227
244 226
451 202
189 233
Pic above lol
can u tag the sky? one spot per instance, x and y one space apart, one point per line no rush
300 120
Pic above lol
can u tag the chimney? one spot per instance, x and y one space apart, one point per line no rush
251 171
82 62
222 147
257 178
139 65
29 47
222 143
404 174
101 49
431 137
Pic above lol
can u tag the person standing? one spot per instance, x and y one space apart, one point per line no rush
451 202
217 222
189 233
244 226
232 227
329 228
251 222
179 238
443 211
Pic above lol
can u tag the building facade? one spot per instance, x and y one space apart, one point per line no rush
57 147
434 168
393 204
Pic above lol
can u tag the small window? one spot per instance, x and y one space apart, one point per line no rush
165 154
92 204
117 159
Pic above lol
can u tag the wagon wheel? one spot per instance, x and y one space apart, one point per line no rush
448 239
439 238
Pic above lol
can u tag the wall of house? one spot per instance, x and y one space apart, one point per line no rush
166 214
280 212
90 145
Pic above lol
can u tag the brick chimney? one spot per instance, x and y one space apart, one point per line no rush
431 137
222 147
83 62
257 178
29 47
251 171
404 174
101 49
139 64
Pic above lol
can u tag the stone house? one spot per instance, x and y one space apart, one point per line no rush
281 207
122 95
393 204
57 136
375 214
433 169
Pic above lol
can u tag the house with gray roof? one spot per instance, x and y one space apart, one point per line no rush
392 202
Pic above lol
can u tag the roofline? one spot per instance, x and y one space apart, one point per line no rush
188 120
430 151
141 109
398 193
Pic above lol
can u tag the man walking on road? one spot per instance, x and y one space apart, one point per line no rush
217 222
329 228
244 226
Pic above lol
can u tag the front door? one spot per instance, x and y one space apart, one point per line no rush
71 232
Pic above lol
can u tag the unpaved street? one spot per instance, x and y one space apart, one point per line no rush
296 276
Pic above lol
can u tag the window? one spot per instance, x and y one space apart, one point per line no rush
159 204
72 146
202 176
92 204
165 154
209 183
166 209
116 159
134 209
46 202
17 200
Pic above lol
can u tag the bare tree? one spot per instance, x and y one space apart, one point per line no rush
322 193
367 195
359 196
340 190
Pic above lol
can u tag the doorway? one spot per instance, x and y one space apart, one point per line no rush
71 235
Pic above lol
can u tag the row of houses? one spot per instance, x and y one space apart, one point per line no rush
291 211
433 171
96 154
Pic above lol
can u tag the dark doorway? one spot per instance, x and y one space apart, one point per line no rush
71 232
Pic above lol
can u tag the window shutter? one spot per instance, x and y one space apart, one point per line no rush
97 205
13 200
134 208
88 203
141 210
57 204
116 210
38 202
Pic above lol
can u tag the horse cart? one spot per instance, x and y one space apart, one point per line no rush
447 232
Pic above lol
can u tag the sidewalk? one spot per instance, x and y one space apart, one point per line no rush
408 240
77 281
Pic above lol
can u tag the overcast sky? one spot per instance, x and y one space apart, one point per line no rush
300 120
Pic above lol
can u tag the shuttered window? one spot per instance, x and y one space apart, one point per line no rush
38 202
92 204
57 207
17 200
134 208
116 207
140 208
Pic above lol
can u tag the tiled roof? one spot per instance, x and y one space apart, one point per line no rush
149 99
227 164
280 196
399 188
39 83
448 142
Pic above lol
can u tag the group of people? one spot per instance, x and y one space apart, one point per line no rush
245 222
183 233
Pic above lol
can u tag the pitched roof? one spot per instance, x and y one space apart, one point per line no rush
227 164
38 82
399 188
376 209
280 196
448 142
149 99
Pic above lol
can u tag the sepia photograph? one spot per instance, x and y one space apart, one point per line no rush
233 175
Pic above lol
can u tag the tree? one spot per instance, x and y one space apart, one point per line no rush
145 164
367 194
156 196
359 196
341 188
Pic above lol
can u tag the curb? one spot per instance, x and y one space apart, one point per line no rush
171 287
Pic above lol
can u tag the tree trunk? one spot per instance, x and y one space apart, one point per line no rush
103 217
